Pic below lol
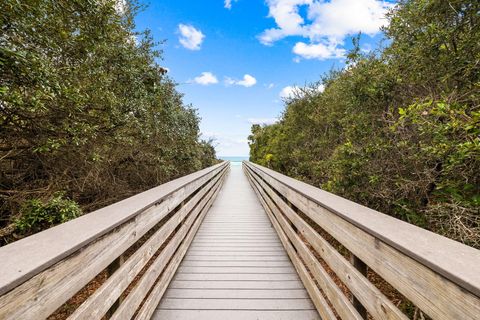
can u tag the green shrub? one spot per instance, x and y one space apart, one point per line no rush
398 130
37 215
86 107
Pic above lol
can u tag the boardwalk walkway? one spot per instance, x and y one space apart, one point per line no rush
203 247
236 267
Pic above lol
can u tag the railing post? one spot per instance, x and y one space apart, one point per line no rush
114 266
362 268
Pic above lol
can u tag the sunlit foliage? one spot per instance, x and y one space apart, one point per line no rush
85 108
397 130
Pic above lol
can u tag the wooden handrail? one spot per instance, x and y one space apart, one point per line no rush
438 275
41 272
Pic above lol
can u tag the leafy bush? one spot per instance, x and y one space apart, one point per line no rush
37 215
85 106
397 130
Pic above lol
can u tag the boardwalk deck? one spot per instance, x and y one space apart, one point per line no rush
236 267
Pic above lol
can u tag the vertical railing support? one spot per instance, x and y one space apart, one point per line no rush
362 268
114 266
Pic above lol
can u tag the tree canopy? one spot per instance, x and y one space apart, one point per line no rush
86 112
398 129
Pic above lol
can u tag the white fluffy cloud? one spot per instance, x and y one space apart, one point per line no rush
289 92
339 18
190 37
247 81
205 79
286 15
262 120
326 24
317 51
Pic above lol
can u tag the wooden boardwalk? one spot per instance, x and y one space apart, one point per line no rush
236 267
210 245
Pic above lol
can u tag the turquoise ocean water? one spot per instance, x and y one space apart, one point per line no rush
235 161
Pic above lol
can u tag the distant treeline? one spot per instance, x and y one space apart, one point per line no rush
397 130
87 116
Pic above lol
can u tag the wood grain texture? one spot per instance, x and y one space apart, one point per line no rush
142 287
427 287
239 255
457 262
99 302
149 305
27 257
318 299
46 291
163 314
379 306
340 302
229 273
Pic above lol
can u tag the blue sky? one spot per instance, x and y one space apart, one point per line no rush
235 60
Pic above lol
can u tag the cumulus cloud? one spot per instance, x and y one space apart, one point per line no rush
228 4
190 38
326 24
247 81
339 18
286 15
262 120
317 51
289 92
205 79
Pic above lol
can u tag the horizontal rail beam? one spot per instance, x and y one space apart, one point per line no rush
439 275
56 263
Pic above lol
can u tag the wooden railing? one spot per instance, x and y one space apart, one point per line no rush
334 242
136 244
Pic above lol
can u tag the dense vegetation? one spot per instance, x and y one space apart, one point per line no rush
87 116
397 130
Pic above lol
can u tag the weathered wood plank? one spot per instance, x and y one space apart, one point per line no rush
50 246
419 275
237 315
270 270
242 243
340 302
447 257
236 258
235 249
52 286
270 236
230 263
138 293
236 294
235 285
377 304
97 304
319 301
237 304
221 264
239 254
149 305
236 276
231 244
